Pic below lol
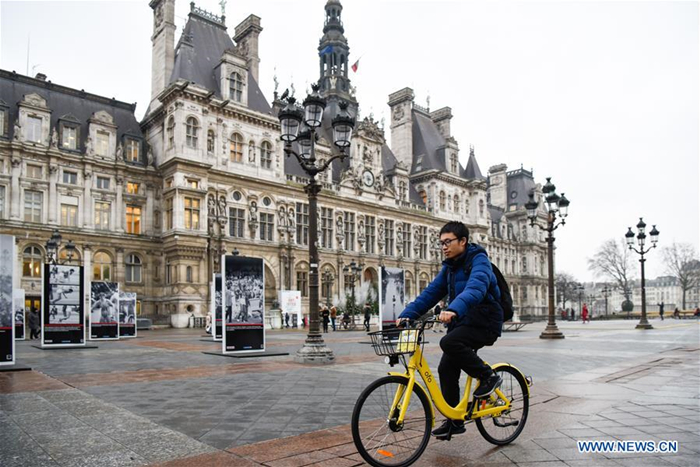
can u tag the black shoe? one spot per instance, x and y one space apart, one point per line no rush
488 385
449 427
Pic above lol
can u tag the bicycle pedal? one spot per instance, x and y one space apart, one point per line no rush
446 437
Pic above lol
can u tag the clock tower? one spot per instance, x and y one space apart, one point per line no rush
333 56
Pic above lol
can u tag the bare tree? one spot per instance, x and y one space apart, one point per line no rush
565 285
682 263
614 261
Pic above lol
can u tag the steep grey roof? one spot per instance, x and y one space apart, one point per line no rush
496 213
413 195
388 159
198 53
426 141
519 184
66 103
472 171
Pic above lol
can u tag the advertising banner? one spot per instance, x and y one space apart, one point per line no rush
217 309
391 302
104 311
244 296
127 314
20 315
7 321
63 317
290 301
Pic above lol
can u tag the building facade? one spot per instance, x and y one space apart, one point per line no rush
154 204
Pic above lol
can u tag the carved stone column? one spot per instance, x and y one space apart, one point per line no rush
88 218
148 214
52 204
15 197
119 209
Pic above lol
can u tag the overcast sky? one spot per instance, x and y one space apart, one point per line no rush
600 96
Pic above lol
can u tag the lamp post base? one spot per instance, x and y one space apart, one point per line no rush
551 332
644 325
314 353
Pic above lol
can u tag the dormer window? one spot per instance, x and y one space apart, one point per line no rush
4 120
171 132
102 143
69 137
133 152
266 155
454 163
236 87
33 133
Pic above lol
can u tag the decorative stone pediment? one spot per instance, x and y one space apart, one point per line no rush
35 100
103 117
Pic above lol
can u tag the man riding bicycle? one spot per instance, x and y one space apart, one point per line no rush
473 315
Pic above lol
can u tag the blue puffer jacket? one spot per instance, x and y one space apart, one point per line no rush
474 296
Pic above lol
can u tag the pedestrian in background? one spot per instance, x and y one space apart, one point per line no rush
368 315
661 311
34 321
334 315
584 314
677 313
325 315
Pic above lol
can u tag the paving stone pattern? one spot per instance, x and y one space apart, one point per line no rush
159 400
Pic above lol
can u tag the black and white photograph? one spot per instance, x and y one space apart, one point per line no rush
19 314
127 314
104 310
7 338
63 316
65 275
64 294
244 287
392 297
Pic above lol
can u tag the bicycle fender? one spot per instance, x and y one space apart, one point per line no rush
528 379
421 389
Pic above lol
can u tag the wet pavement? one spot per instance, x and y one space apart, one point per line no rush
160 400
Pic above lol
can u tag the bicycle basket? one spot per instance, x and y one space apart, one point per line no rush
394 341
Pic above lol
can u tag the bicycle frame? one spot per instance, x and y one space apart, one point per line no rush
417 364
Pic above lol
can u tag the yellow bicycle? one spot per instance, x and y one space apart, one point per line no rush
392 428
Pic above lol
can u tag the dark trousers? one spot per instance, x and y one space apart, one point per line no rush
459 347
35 333
333 323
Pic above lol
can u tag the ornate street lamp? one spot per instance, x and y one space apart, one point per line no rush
554 203
292 119
328 280
352 273
52 246
641 237
580 289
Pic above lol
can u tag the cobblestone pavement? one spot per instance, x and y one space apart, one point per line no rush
159 400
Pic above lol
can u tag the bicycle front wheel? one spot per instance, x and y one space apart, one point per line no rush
507 426
379 438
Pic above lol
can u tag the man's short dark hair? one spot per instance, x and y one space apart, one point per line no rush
455 227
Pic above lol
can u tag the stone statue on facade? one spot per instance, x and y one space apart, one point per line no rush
54 139
251 153
17 132
339 232
211 211
120 153
381 240
222 210
253 217
399 242
149 157
89 150
361 238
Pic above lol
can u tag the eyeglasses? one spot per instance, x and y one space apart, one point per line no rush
447 242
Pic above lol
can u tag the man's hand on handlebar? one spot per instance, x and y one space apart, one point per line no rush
401 322
446 316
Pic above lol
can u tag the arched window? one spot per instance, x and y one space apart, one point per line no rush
402 190
192 130
188 274
442 200
32 259
171 132
133 268
102 267
236 87
466 206
456 204
236 148
266 155
211 140
63 257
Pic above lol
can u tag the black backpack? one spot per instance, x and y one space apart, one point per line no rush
506 301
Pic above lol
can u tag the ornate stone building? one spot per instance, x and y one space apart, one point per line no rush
154 204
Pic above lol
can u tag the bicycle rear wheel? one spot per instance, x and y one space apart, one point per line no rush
507 426
379 439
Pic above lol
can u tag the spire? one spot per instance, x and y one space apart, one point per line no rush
472 171
333 55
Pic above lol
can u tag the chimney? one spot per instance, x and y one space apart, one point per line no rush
40 77
401 104
442 118
163 46
246 38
